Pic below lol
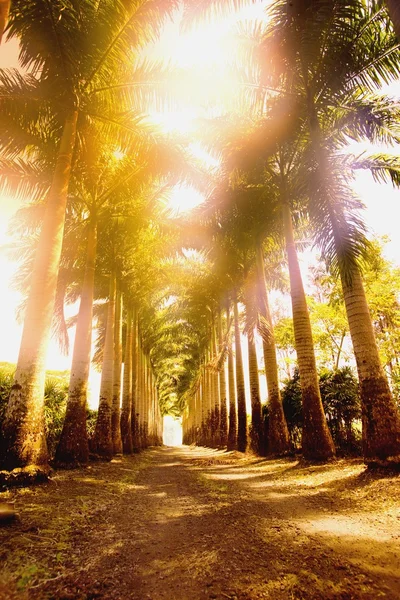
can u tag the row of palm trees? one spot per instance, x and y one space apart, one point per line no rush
320 58
71 129
81 86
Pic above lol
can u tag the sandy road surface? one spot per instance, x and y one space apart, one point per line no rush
192 524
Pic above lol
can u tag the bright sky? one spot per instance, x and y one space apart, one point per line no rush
205 53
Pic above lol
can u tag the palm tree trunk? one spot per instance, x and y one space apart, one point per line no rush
380 416
278 439
135 392
140 394
102 440
23 442
116 401
216 400
126 412
73 447
145 401
256 434
204 403
393 7
4 10
223 423
240 389
317 442
232 420
209 399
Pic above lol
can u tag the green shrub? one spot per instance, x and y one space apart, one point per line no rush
292 407
341 400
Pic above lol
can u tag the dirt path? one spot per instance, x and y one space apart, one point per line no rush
193 524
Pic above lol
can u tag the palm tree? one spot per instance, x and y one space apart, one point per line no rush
353 32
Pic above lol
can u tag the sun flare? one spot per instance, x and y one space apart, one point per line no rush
184 198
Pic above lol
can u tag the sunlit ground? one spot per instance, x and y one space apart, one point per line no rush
172 431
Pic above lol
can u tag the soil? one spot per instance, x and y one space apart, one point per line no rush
193 524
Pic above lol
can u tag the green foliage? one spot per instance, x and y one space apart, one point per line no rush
291 400
55 401
91 421
341 401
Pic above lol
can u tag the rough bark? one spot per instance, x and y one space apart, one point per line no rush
140 394
126 412
208 401
102 439
256 433
204 407
380 416
240 389
145 408
317 442
73 448
232 418
135 393
216 399
393 7
116 400
278 439
23 442
223 422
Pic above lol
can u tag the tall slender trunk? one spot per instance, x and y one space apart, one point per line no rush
24 440
240 389
135 392
204 403
126 412
146 401
209 398
150 404
140 394
278 439
256 433
223 422
102 440
232 422
317 442
381 419
380 416
116 400
199 404
216 400
73 447
393 7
